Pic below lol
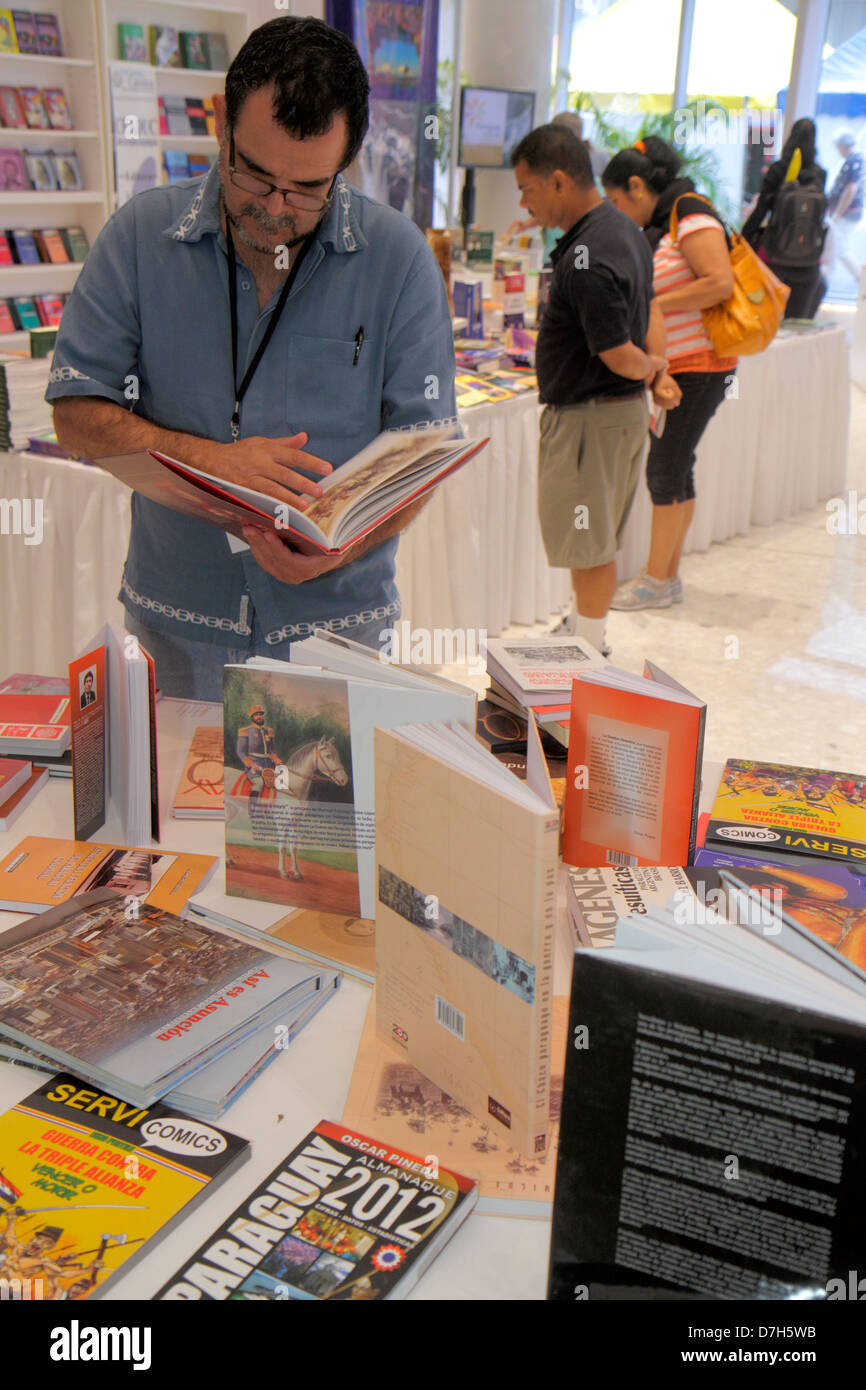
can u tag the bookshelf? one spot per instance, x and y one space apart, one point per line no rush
76 73
231 20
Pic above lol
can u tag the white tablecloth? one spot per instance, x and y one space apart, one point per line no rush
474 558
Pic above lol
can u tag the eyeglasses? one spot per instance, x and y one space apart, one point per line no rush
293 197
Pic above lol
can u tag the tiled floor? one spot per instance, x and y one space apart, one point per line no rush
772 634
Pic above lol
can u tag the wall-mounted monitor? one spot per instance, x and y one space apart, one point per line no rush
492 122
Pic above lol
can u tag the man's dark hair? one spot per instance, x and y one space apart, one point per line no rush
551 147
316 72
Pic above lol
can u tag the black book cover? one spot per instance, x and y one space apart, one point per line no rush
712 1143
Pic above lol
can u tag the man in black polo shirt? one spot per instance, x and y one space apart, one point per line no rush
592 367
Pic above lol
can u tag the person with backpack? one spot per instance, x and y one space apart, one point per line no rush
691 272
786 225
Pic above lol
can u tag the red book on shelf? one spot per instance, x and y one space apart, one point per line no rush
7 323
12 108
6 257
49 307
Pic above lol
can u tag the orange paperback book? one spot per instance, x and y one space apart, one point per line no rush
634 762
199 794
40 873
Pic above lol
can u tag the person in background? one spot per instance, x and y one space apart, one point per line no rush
569 120
808 286
845 204
689 275
598 345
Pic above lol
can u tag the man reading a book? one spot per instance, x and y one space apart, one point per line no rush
599 345
263 324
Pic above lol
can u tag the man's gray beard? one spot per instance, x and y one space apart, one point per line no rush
288 242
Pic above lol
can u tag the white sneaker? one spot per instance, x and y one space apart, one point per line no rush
675 589
642 592
566 627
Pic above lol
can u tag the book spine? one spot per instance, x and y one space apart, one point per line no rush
696 796
539 1110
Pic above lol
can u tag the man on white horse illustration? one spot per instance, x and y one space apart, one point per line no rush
255 748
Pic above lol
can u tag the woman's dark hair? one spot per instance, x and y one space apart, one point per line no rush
658 164
802 138
316 72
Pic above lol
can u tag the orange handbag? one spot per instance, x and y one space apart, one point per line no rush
748 321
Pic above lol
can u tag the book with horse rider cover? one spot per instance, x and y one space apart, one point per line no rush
299 785
389 473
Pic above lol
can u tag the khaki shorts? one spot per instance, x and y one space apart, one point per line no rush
589 457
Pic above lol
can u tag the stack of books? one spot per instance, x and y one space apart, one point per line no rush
146 1004
23 410
536 673
19 783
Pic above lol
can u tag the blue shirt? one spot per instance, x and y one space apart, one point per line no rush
150 312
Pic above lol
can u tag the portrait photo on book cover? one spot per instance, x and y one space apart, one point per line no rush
87 691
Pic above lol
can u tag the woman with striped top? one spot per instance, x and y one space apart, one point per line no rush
690 273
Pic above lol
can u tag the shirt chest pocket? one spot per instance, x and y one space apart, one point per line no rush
333 388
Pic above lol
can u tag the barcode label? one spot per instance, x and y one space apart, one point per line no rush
616 856
450 1018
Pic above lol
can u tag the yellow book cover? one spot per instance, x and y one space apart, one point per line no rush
86 1180
8 41
466 872
41 872
199 794
791 810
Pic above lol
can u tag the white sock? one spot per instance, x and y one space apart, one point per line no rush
592 629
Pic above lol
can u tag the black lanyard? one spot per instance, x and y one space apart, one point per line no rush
240 391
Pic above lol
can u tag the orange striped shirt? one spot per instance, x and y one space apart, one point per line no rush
688 347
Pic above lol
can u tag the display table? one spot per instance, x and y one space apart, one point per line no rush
474 558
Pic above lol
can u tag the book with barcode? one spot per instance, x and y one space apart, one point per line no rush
634 766
343 1216
466 876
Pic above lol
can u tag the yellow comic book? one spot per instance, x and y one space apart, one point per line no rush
790 810
86 1179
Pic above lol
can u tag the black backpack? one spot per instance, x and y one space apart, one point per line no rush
796 231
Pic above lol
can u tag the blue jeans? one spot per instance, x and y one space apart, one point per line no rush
194 670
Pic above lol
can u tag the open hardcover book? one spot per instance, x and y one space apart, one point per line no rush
395 469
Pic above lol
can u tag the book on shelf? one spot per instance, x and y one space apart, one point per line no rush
26 36
13 175
7 322
299 784
17 803
138 1001
192 49
199 164
537 672
196 115
707 1051
35 112
176 165
390 1097
31 724
24 247
50 245
358 1220
113 714
199 793
176 116
8 41
395 469
11 105
466 874
57 106
48 35
67 170
76 242
106 1166
25 312
131 43
41 172
49 307
209 1092
6 257
634 769
41 872
164 46
210 119
789 810
217 51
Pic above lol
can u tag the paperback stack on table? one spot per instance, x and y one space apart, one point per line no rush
537 673
58 758
713 1113
88 1181
23 409
138 1000
19 783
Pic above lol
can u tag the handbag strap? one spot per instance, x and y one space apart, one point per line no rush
674 225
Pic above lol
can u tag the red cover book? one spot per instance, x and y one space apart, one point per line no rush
11 808
34 724
6 257
7 323
12 108
49 307
14 772
634 759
